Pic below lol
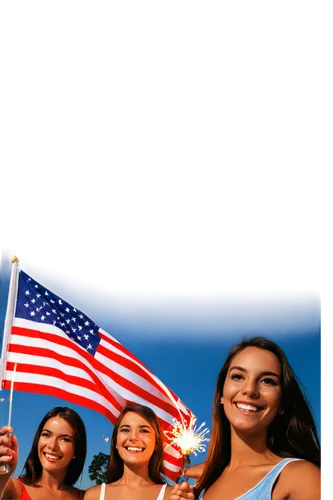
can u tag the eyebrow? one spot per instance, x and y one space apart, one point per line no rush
61 435
261 374
140 426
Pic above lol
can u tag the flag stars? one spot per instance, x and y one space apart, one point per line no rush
41 305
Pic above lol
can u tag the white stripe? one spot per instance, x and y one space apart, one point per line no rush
171 450
39 379
108 335
173 468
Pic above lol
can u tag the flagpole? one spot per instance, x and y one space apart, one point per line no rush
11 302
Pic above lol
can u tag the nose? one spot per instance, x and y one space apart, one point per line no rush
133 435
53 443
250 389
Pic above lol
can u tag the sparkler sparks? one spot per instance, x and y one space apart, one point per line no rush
189 439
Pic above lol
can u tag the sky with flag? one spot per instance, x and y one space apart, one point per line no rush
182 339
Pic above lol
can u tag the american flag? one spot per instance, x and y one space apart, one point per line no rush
61 352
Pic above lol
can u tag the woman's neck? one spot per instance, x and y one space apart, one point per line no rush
52 481
249 449
135 476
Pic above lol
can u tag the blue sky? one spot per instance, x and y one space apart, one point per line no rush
185 344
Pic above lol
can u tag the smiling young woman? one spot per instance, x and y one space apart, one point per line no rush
135 466
264 442
55 461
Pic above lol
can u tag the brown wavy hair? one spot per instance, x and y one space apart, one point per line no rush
116 464
292 434
32 469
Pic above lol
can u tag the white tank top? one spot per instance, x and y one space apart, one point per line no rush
160 495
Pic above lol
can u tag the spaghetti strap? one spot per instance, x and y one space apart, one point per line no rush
162 492
102 495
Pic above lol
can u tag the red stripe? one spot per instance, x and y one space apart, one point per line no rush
61 393
70 379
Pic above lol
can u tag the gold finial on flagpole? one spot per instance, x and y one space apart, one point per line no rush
15 260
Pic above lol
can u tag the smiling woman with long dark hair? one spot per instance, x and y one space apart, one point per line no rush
264 443
55 461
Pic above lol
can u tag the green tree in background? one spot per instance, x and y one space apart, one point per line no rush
98 467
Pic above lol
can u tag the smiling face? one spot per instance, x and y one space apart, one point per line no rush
56 445
136 439
252 390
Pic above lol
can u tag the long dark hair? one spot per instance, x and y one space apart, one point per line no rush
32 469
116 464
291 434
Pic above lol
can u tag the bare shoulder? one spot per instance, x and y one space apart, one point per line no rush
301 468
93 493
12 490
300 480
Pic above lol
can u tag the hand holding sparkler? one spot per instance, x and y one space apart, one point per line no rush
189 439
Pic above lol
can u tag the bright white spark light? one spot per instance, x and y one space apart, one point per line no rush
190 439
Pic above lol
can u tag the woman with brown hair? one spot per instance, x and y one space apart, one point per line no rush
264 443
55 461
135 465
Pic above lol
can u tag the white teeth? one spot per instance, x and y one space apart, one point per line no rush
243 406
51 457
132 448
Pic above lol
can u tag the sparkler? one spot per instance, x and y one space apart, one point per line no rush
188 438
